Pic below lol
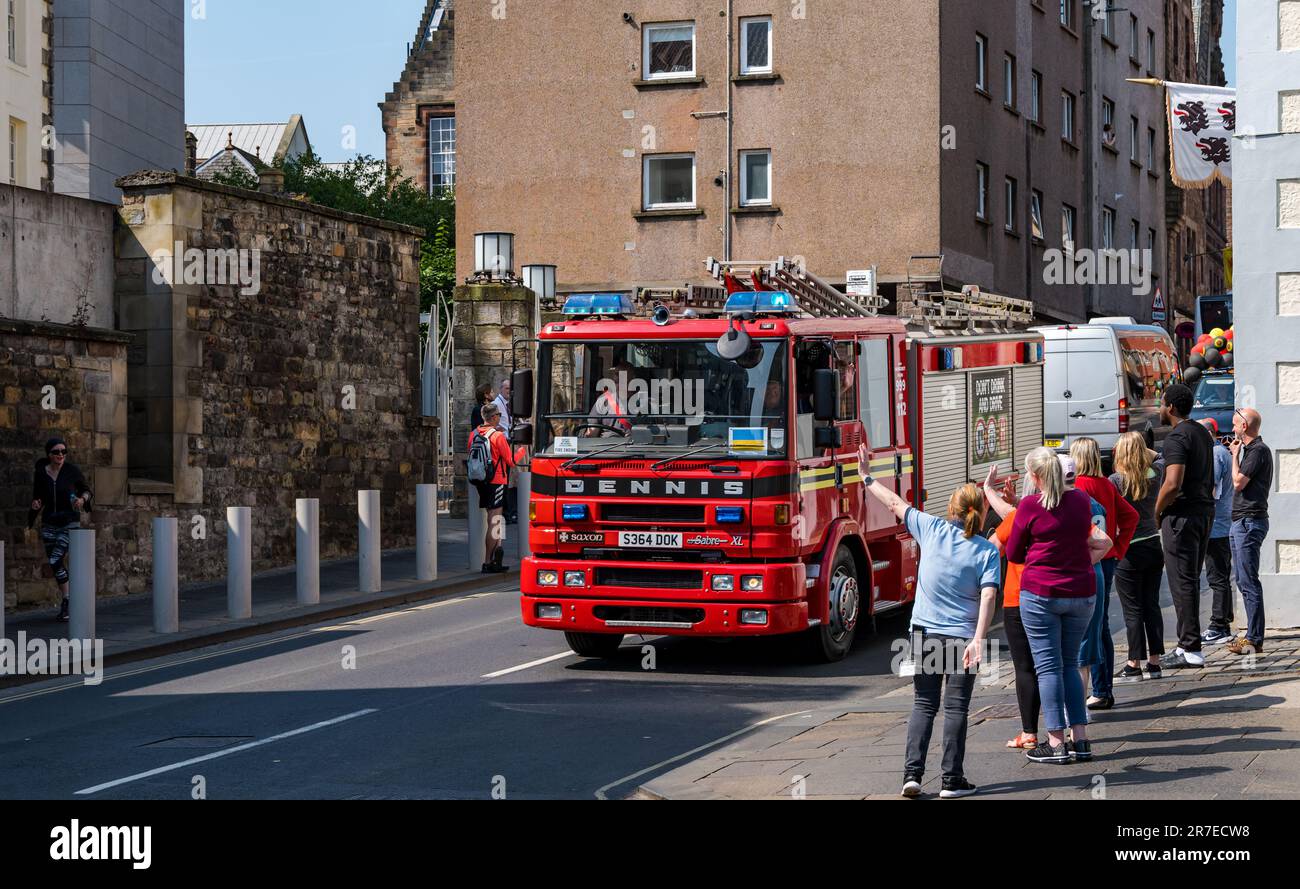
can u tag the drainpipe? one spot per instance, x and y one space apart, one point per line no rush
1090 137
727 191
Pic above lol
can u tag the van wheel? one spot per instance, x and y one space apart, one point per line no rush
831 641
595 645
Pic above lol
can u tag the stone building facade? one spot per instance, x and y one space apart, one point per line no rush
419 114
300 378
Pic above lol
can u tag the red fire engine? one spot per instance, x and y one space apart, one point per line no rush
700 472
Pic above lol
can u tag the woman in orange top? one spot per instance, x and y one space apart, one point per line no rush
1021 657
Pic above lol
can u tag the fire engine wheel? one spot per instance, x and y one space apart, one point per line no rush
832 640
598 645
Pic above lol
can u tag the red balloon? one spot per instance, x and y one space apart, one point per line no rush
1198 349
1204 338
1228 333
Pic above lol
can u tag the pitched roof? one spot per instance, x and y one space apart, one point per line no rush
227 160
264 140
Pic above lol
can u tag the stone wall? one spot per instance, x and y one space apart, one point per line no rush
308 387
70 382
425 89
56 258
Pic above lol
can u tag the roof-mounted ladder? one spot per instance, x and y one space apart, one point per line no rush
814 296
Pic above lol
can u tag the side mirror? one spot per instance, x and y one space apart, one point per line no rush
522 435
826 395
827 437
521 394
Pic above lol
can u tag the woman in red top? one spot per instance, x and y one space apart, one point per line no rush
1098 651
492 492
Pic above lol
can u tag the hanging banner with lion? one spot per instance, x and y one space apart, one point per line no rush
1202 122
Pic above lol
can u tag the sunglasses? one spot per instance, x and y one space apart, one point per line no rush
62 452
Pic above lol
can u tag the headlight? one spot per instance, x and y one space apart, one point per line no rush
723 583
550 612
548 578
754 617
752 583
575 578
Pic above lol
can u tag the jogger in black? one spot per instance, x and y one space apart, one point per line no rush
59 494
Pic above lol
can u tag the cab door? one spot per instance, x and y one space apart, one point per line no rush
879 391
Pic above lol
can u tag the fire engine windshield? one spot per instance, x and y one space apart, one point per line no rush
653 397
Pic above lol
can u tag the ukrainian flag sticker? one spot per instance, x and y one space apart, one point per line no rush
748 441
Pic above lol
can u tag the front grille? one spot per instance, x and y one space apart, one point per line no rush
629 614
653 513
608 554
661 578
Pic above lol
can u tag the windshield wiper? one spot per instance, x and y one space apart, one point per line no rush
583 457
690 453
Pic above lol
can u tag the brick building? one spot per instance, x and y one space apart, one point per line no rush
419 115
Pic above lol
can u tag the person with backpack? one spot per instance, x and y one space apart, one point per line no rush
59 496
489 466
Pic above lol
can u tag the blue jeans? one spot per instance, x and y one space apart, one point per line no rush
1247 538
1055 628
1098 648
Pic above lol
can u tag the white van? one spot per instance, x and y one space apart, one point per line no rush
1103 379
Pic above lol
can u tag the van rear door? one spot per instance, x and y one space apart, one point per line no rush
1092 399
1055 385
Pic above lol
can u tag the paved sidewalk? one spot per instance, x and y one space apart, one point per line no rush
1229 731
126 623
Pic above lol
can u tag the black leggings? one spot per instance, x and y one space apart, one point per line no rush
1026 676
1137 580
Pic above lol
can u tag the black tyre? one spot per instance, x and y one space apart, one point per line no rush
831 641
599 645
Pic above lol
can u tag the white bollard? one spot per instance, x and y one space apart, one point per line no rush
308 535
166 581
239 562
369 564
81 590
426 532
477 543
523 493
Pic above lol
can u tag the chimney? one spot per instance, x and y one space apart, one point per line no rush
191 153
270 181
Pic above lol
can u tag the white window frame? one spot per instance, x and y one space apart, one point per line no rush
1067 117
1107 228
1151 50
647 159
982 191
1151 148
1107 21
1134 38
1036 230
13 29
1009 80
1134 235
1134 129
1010 199
1067 13
647 31
1069 221
745 67
745 199
1036 96
429 136
981 63
13 152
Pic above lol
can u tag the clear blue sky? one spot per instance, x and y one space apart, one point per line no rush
332 61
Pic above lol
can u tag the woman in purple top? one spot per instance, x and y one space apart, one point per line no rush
1054 538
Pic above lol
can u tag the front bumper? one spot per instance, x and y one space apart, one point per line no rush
696 610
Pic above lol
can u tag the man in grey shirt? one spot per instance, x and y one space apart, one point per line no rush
1218 558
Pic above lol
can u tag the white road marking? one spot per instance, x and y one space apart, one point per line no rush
220 753
537 663
222 652
600 794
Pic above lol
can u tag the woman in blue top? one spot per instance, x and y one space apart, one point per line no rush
956 594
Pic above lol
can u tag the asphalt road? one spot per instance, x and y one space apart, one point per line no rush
451 699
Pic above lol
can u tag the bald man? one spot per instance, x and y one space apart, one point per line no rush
1252 477
1218 557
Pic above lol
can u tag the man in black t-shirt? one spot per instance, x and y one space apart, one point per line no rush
1252 477
1185 509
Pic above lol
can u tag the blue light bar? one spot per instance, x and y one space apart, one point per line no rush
763 302
586 304
730 515
575 512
